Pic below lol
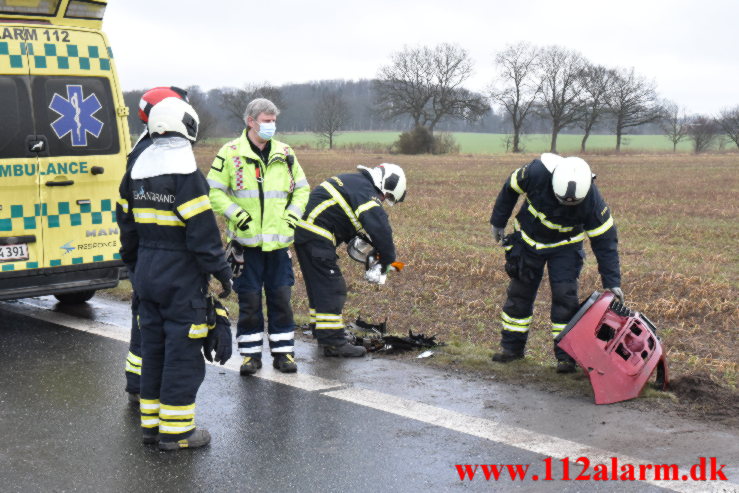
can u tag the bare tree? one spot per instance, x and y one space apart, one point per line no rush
562 93
330 115
426 84
728 121
702 130
519 87
199 101
632 101
234 100
595 81
673 123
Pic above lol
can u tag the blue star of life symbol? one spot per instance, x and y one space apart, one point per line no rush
77 115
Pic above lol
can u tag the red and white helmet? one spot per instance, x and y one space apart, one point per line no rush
173 115
154 96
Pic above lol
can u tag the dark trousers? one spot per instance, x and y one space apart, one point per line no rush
172 321
133 359
564 266
326 289
272 271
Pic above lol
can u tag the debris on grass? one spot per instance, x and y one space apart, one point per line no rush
374 338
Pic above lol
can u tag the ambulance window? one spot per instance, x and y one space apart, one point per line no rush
30 7
16 120
76 114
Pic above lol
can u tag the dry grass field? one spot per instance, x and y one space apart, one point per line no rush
677 217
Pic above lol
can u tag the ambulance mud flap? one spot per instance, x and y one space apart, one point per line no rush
616 347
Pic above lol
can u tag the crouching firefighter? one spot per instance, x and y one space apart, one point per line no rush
338 209
171 244
562 206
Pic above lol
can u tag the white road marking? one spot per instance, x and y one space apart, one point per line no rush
487 429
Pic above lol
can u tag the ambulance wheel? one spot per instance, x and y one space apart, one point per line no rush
75 298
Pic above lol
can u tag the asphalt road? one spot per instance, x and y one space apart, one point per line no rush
66 424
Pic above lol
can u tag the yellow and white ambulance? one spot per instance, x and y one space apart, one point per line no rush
63 145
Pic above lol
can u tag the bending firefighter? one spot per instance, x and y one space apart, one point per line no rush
133 359
258 185
338 210
170 244
562 206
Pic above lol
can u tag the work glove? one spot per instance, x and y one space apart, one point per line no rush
241 220
219 338
618 293
498 234
291 218
235 257
375 273
224 277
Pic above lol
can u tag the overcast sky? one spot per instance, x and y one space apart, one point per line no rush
689 48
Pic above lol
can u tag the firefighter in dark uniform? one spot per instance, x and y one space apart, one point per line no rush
338 209
171 244
133 359
562 206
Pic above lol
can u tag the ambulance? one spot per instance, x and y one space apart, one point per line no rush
63 143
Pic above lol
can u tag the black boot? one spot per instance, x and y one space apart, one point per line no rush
345 350
506 356
199 438
566 366
285 362
250 365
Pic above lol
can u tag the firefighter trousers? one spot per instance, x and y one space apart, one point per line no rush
525 266
172 319
326 289
272 271
133 359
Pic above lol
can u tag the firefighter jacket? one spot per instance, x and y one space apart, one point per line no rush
544 223
273 192
164 209
344 205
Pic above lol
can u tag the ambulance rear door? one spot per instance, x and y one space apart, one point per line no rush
21 233
79 108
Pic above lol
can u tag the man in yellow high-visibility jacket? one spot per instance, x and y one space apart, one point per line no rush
258 185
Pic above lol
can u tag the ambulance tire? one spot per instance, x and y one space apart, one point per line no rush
75 298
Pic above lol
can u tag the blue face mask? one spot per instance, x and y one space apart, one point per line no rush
267 130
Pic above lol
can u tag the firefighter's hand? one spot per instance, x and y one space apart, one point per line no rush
224 343
498 234
235 258
224 277
241 220
617 292
291 218
375 274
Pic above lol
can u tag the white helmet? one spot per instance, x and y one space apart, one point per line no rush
390 180
571 178
174 115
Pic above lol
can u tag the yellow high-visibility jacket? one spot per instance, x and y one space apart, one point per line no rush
274 193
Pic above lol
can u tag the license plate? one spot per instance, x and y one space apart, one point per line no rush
12 253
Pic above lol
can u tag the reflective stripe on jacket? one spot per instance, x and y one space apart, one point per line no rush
269 192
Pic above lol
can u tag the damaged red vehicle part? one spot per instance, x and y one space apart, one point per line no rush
617 347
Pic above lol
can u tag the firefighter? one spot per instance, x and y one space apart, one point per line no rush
133 359
170 244
339 209
259 187
562 206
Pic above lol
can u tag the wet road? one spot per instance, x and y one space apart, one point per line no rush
67 426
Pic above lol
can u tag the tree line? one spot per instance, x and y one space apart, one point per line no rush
421 90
